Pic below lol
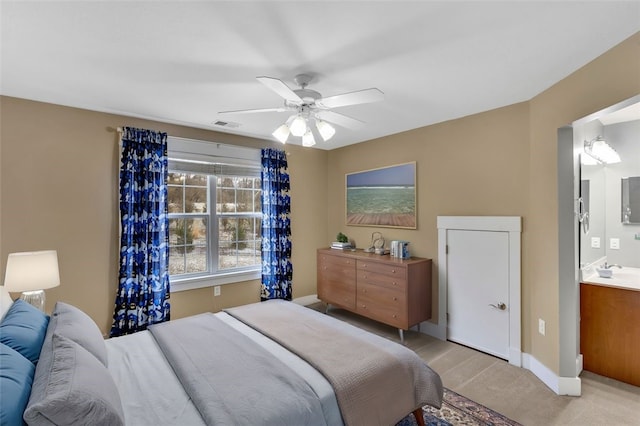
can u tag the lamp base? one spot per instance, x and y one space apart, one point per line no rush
35 298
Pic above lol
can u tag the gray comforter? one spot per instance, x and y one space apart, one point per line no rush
376 381
232 380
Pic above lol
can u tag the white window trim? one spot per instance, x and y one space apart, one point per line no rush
195 150
182 284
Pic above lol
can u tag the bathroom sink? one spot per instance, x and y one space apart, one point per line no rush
604 272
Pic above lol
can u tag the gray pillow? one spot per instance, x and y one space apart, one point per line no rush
71 387
72 323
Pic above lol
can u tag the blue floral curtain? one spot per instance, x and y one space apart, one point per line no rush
277 270
143 290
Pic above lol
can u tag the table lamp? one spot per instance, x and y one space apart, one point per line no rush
30 273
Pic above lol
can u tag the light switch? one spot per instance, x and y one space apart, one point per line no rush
595 242
614 243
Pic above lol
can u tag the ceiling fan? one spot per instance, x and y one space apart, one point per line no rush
311 112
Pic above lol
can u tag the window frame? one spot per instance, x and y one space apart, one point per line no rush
202 153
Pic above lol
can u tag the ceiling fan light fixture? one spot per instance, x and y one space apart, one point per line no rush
308 139
298 126
308 109
282 133
325 129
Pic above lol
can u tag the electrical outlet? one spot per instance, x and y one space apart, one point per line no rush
541 326
216 290
595 242
614 243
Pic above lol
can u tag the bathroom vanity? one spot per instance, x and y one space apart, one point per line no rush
610 328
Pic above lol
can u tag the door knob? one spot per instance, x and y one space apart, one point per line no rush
500 306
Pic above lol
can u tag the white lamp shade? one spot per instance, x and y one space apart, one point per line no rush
326 130
298 126
308 139
29 271
282 133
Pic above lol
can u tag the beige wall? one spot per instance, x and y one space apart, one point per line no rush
58 190
461 167
500 162
611 78
58 186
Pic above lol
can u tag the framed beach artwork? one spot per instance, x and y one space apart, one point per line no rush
382 197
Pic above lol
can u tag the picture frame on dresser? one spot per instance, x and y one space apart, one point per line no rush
384 197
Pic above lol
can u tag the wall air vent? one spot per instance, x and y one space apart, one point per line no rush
229 124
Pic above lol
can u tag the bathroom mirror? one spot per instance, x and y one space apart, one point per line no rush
630 211
610 193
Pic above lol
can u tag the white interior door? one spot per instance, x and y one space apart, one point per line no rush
478 290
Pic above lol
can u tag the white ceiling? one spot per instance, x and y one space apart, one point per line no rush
183 61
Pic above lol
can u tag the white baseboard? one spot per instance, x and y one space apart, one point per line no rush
571 386
306 300
434 330
579 364
515 357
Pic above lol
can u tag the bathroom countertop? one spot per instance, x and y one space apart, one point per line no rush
625 278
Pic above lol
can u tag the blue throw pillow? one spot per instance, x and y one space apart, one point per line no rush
23 329
16 377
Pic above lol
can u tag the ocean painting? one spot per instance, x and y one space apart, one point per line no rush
382 197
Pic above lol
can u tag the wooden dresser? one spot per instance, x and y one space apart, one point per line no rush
393 291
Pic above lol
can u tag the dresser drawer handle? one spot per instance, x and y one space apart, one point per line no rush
395 298
364 306
393 271
395 316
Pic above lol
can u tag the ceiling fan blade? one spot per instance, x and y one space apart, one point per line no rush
352 98
280 88
251 111
340 119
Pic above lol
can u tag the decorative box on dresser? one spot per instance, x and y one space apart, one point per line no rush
396 292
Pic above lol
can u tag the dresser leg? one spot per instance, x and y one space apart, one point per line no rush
401 333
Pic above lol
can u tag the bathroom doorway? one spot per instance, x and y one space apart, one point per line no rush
590 221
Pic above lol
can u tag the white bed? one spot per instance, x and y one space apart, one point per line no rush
79 378
129 355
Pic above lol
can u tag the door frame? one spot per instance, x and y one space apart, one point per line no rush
510 224
570 145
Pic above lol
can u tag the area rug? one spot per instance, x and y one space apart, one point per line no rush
458 410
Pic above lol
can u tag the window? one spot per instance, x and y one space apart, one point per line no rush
214 206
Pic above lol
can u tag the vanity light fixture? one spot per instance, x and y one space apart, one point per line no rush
601 151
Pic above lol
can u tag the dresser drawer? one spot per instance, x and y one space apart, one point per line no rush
398 283
338 292
336 260
382 304
388 269
328 269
